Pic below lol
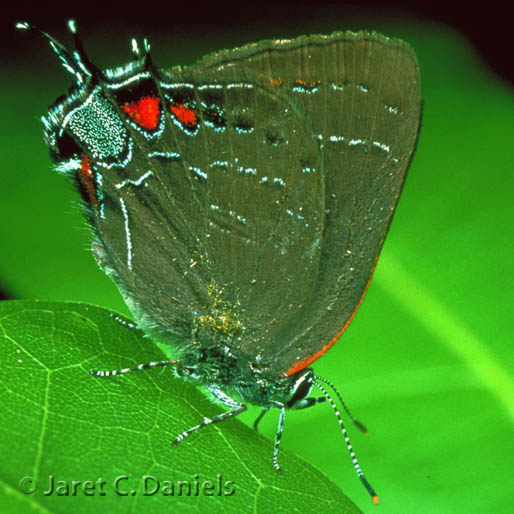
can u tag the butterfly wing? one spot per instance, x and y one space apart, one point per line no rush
349 110
253 205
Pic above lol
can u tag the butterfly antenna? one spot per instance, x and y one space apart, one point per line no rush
356 465
76 62
355 421
142 54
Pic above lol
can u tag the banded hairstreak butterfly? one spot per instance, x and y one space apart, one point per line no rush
240 204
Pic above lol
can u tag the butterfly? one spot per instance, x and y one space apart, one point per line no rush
240 204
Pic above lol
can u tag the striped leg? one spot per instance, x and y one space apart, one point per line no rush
112 373
306 402
280 429
209 421
236 408
278 437
139 367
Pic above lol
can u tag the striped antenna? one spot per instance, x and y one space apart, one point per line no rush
356 422
356 465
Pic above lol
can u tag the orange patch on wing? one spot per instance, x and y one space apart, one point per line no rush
184 114
145 111
276 82
308 85
88 179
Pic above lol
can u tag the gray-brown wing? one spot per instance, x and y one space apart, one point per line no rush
270 193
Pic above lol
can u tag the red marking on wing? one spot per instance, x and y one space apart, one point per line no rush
276 81
145 111
309 360
184 114
88 179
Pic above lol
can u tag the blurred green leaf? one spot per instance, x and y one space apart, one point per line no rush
60 421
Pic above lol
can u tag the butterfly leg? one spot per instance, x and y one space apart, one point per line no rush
259 417
220 396
278 437
308 402
139 367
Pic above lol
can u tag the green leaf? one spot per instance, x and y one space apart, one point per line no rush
60 421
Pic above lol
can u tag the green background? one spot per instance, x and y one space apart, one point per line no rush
427 362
